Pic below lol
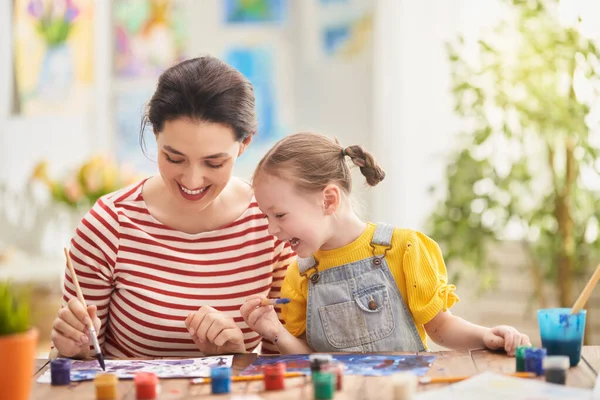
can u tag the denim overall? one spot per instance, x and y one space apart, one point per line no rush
357 307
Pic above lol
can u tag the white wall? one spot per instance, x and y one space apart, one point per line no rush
413 120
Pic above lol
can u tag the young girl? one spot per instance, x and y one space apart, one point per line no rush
356 286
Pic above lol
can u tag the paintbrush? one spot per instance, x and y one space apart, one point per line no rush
272 302
587 292
92 331
452 379
247 378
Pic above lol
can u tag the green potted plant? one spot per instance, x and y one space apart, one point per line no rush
18 340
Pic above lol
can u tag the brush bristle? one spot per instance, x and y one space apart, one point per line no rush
101 361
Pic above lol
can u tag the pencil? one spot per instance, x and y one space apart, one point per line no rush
272 302
452 379
247 378
92 331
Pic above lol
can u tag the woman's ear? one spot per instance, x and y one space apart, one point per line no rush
244 144
332 197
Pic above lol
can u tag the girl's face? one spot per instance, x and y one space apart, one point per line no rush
302 219
196 159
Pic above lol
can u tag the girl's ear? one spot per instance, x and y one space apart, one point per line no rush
332 197
245 143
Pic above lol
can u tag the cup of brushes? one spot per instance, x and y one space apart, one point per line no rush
562 329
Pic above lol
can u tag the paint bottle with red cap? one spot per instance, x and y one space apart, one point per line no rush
146 386
274 376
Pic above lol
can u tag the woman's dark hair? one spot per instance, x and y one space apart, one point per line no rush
202 89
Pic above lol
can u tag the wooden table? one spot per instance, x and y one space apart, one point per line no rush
447 363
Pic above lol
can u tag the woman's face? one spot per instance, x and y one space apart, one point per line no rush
196 159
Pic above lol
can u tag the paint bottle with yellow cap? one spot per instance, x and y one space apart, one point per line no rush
106 386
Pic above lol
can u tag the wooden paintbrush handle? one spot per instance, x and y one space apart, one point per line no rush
587 292
74 278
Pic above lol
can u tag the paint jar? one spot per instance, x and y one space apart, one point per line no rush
533 360
60 371
562 333
146 386
106 386
317 360
323 385
274 376
520 358
404 385
337 369
555 369
220 380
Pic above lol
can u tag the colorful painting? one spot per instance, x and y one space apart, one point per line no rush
53 55
256 63
254 11
354 364
149 36
345 27
129 109
126 369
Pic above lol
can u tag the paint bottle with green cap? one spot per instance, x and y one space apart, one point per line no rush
520 357
323 385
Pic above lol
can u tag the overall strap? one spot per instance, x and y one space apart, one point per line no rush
383 235
304 264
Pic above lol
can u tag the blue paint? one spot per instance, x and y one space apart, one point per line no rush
534 358
60 371
220 380
283 300
562 333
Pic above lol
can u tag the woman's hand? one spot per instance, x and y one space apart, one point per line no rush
70 330
261 319
215 332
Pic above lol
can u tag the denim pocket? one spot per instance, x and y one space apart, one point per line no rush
354 323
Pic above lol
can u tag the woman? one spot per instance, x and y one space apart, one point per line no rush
165 264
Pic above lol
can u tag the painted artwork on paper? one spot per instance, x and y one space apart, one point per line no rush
53 56
149 36
354 364
129 108
255 11
256 64
126 369
346 27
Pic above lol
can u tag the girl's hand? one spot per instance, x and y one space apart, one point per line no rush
505 337
215 332
70 330
261 319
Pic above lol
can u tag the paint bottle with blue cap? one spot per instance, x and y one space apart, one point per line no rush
60 371
220 380
534 358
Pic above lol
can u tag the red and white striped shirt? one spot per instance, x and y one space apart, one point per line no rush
146 277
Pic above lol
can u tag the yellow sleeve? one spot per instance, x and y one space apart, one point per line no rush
427 287
294 313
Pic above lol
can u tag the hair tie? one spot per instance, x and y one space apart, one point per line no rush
344 152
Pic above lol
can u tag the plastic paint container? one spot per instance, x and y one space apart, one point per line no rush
60 371
317 360
520 358
220 380
146 386
274 376
106 386
336 368
555 369
323 385
533 360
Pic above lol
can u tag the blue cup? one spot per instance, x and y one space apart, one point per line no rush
562 333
